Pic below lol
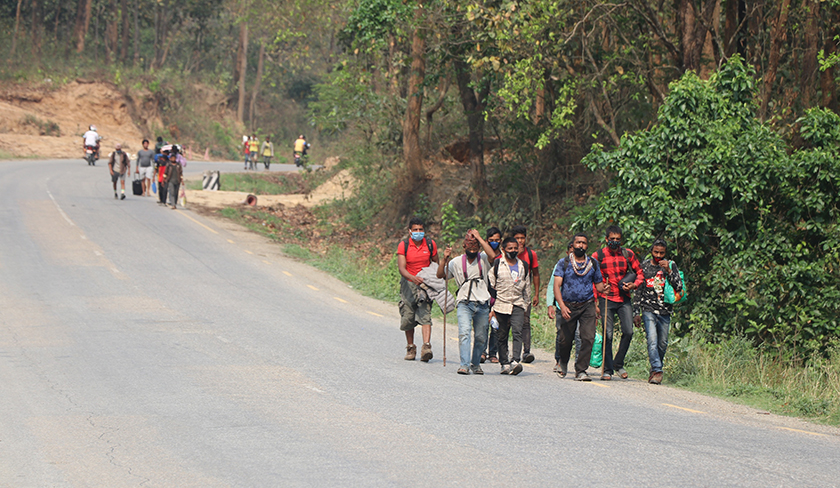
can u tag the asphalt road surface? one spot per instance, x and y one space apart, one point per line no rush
141 346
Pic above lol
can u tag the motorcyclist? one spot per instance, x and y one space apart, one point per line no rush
91 139
300 149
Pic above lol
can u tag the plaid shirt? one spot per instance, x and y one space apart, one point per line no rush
613 268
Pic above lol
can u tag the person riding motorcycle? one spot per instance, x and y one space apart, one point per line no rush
300 149
91 139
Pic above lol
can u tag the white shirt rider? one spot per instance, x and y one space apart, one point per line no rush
91 138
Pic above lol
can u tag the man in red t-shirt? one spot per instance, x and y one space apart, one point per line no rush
528 255
414 254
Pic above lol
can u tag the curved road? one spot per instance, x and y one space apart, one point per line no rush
141 346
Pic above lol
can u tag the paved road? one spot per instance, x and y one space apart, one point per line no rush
145 346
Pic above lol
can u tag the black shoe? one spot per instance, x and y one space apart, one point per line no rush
115 195
528 358
122 197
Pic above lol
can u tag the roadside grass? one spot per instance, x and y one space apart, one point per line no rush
734 370
6 156
269 184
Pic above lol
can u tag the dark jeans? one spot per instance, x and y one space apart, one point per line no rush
493 343
162 191
508 323
585 314
172 190
625 316
526 331
577 338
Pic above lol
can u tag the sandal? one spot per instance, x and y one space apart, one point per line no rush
483 357
494 359
606 377
463 371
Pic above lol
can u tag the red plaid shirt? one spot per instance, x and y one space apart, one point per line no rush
614 267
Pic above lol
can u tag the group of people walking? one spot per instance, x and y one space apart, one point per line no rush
498 283
160 170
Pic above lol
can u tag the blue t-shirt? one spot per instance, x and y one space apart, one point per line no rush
578 288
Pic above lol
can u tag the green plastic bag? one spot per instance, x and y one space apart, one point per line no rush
597 351
670 296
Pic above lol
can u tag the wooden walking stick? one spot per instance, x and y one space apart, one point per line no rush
604 339
445 306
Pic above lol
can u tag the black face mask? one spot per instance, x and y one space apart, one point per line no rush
471 255
614 244
579 252
511 255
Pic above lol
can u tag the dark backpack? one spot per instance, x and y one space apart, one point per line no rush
429 243
526 269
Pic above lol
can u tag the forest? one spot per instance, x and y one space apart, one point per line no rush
711 123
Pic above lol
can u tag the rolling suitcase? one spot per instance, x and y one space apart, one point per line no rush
137 185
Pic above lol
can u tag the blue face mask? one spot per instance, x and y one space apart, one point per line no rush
417 236
494 245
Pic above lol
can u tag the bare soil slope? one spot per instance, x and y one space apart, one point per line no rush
28 116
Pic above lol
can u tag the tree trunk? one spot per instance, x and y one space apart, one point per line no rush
827 82
732 41
474 110
252 112
443 90
126 31
111 32
136 32
243 65
17 26
412 152
809 60
36 26
82 24
776 39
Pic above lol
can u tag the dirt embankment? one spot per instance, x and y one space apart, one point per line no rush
49 123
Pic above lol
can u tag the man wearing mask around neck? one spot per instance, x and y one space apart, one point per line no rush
414 254
574 277
509 278
618 266
650 302
494 239
119 165
529 256
473 299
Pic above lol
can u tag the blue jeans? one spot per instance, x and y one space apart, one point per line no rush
656 330
472 316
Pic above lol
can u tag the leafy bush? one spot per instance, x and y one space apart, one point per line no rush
752 219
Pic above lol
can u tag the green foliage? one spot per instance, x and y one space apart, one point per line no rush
373 21
752 220
453 227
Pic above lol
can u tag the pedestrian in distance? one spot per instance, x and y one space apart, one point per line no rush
267 151
246 150
161 161
493 236
145 168
119 165
650 303
575 277
520 233
253 152
413 254
470 271
622 274
173 177
512 286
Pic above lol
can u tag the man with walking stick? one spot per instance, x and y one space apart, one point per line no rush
470 272
574 277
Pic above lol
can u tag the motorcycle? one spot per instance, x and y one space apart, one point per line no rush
90 155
